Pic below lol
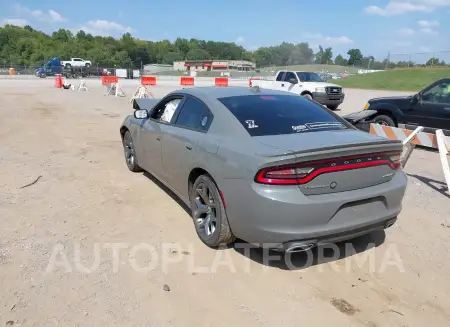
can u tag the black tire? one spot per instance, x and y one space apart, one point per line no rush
130 153
333 107
68 66
210 204
384 120
308 96
87 65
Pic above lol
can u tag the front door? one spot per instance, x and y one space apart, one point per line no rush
150 136
433 109
179 142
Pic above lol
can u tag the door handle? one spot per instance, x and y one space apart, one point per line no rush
282 85
158 138
188 146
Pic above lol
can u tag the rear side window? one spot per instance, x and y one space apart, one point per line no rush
264 115
194 115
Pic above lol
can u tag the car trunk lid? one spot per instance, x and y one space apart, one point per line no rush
332 161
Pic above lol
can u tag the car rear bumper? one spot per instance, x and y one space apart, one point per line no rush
328 99
276 216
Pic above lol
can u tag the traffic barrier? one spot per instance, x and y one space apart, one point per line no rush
412 138
394 133
58 81
252 79
443 146
187 81
148 80
221 81
107 80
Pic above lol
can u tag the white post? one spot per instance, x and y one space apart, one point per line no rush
409 147
443 152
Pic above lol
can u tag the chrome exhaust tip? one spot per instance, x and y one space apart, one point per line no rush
294 248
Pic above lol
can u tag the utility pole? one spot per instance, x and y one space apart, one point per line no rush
387 60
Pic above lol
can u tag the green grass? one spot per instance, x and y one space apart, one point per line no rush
413 79
316 68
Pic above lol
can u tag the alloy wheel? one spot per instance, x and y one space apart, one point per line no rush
205 209
128 149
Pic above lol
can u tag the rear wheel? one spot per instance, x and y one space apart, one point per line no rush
88 65
130 153
384 120
208 213
308 96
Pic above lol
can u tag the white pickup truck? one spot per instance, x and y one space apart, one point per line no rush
76 62
310 85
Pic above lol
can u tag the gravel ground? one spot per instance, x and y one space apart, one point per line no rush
74 245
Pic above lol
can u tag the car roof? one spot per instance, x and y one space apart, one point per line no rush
216 92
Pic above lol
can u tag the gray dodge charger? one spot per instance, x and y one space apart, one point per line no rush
268 167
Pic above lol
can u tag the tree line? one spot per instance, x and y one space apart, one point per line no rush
27 46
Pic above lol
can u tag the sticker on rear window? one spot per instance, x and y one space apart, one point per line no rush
325 125
251 124
300 128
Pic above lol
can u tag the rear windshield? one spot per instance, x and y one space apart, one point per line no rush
280 114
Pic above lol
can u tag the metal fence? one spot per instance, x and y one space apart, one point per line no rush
419 59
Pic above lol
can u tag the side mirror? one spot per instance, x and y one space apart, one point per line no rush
416 98
141 114
293 81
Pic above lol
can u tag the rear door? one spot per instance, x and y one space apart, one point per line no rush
179 140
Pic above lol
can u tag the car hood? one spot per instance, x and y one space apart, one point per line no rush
391 99
321 84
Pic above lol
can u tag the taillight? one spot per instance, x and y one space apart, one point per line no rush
305 172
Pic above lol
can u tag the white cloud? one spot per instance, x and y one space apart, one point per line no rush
406 32
428 24
240 40
104 27
327 40
397 7
403 44
49 16
428 31
14 21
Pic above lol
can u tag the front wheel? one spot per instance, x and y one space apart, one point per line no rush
208 213
384 120
130 153
333 107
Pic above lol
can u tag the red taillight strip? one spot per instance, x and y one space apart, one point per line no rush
260 177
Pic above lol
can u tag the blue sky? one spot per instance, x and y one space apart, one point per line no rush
375 26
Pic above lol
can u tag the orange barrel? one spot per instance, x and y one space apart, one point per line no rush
58 81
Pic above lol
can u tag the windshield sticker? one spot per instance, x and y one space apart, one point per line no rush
300 128
325 125
204 121
251 124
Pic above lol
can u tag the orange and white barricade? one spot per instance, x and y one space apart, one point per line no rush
410 139
221 81
187 81
142 91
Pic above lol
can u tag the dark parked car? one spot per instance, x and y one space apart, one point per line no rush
429 108
269 167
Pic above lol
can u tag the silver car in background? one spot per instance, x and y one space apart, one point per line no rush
268 167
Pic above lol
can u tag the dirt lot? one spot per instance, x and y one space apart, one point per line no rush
86 204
